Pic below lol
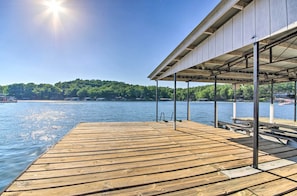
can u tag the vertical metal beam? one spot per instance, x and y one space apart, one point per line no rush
174 97
234 102
188 100
295 86
270 55
256 105
215 104
157 101
271 114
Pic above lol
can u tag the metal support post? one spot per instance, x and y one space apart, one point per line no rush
188 101
174 97
215 104
234 103
256 105
295 86
157 101
271 115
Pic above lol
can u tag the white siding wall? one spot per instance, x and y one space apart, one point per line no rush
228 36
278 15
261 18
205 50
186 62
237 31
292 13
212 47
249 24
219 41
199 54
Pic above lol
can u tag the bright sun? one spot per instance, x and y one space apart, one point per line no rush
55 12
54 6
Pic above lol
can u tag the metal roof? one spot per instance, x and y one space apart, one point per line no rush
278 54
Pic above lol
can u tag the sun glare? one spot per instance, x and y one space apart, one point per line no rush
54 6
55 12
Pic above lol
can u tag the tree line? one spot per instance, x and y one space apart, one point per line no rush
113 90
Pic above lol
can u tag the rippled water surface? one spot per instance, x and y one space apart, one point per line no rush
27 129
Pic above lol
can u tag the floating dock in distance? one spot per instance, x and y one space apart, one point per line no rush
150 158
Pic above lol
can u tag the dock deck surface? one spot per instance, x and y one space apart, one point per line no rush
149 158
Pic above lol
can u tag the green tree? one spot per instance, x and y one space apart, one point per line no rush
223 93
247 92
16 90
83 92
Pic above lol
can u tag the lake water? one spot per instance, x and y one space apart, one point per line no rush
27 129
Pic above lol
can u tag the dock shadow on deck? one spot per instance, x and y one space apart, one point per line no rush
149 158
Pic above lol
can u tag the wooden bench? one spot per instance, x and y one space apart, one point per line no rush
247 129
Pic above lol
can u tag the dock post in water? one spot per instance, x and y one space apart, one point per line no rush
234 102
215 104
188 100
295 89
157 101
174 96
256 105
271 114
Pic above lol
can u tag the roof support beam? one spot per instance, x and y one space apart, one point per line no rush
240 5
281 42
210 31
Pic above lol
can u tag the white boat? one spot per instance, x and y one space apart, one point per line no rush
8 99
284 101
165 99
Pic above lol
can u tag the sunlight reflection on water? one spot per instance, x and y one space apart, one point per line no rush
42 125
28 129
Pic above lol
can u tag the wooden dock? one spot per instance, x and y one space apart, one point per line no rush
149 158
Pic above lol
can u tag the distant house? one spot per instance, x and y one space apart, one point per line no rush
7 99
87 99
72 99
165 99
203 99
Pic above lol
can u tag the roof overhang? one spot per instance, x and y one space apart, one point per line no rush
278 49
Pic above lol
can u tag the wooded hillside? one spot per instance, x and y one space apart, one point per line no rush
113 90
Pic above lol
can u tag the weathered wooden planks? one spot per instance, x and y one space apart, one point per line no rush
150 158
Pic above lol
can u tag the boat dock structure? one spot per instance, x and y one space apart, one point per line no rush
150 158
239 42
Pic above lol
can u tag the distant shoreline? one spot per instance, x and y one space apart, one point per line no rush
65 101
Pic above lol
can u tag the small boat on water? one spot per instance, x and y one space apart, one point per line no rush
165 99
7 99
285 102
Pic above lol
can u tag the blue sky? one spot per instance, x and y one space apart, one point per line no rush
122 40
